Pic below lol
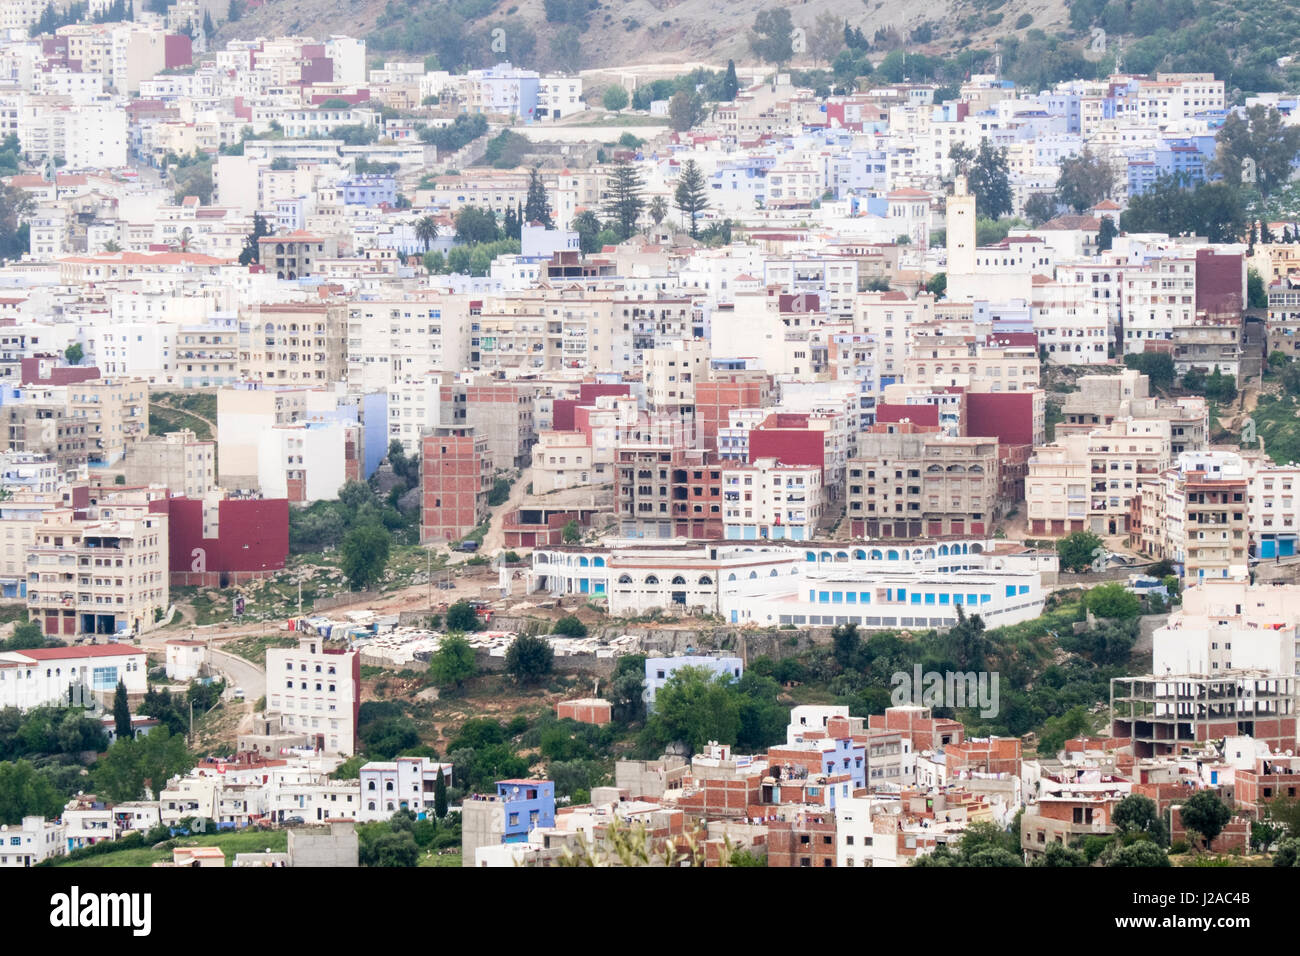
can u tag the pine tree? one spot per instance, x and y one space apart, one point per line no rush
625 202
730 85
691 197
511 227
252 251
208 28
537 209
440 796
122 713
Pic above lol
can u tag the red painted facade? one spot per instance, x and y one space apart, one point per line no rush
1006 416
919 414
562 414
1219 289
178 51
252 540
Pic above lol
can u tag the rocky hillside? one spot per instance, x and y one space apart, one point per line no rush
633 32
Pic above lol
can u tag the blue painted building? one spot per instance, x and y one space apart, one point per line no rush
527 804
369 191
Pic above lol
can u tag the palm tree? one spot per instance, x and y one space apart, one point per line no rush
426 230
658 209
183 244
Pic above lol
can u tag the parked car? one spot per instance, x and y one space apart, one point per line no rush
468 545
238 693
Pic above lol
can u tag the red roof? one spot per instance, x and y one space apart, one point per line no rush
88 650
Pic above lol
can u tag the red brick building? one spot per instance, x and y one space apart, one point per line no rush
804 842
715 400
456 476
919 725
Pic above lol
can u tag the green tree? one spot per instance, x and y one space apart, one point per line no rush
772 38
1262 138
537 208
387 737
587 225
1158 367
1077 550
365 556
1085 180
26 635
529 659
1205 813
1106 234
987 177
846 643
390 849
234 11
440 796
625 201
426 230
826 38
24 792
694 707
570 626
937 285
684 110
730 83
691 196
476 225
1040 207
122 713
74 353
571 534
1058 854
626 689
1112 601
615 99
1142 853
453 662
16 206
1287 854
658 209
132 764
1171 205
252 251
461 617
1057 730
1256 294
1139 814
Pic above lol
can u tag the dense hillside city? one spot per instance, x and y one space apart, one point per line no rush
445 434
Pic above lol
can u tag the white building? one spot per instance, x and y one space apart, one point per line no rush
315 691
42 676
185 659
406 783
28 843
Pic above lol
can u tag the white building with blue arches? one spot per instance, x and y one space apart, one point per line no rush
783 583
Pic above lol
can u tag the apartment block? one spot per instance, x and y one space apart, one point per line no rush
769 500
456 476
105 574
913 481
315 689
294 343
178 460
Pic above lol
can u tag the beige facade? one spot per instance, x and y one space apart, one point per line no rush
105 574
564 460
1103 467
911 484
292 343
178 460
116 413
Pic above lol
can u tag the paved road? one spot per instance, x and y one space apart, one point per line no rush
240 673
